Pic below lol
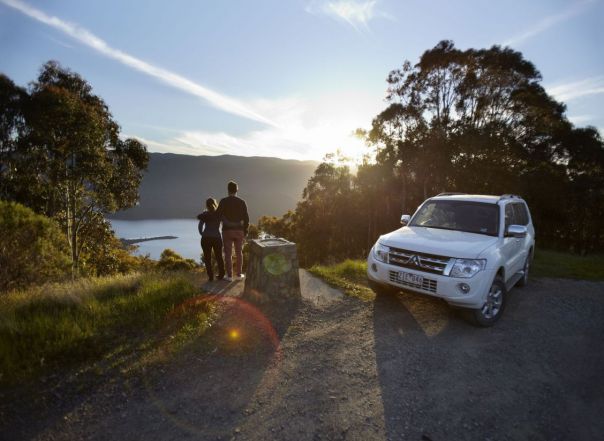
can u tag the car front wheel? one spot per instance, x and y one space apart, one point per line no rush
494 305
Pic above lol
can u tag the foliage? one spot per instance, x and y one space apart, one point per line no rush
475 121
107 255
91 319
62 155
32 248
169 260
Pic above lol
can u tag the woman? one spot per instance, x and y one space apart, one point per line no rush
209 228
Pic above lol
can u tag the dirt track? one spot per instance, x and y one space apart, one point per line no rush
402 367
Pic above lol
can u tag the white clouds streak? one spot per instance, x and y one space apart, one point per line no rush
577 89
306 129
87 38
354 12
548 22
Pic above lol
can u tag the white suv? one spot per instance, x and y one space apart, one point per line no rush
469 250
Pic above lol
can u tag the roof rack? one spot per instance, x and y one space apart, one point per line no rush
449 194
509 196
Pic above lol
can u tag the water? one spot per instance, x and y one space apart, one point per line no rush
186 244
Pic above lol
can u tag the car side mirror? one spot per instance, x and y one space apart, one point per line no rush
405 218
518 231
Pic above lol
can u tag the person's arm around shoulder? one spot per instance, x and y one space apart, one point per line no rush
201 223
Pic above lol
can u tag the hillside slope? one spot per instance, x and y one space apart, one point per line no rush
176 186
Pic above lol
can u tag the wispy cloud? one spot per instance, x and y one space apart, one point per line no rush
356 13
306 129
548 22
87 38
577 89
581 119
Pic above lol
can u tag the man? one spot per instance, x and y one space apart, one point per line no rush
235 223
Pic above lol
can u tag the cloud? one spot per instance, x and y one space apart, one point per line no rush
306 130
354 12
581 119
87 38
548 22
577 89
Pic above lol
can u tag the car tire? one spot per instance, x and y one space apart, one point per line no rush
494 306
381 289
524 279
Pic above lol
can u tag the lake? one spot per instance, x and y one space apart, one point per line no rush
186 244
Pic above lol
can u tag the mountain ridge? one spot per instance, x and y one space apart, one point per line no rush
176 186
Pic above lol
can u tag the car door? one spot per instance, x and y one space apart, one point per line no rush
512 246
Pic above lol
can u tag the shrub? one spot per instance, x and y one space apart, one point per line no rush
104 254
32 248
172 261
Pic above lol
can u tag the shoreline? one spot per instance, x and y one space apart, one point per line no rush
146 239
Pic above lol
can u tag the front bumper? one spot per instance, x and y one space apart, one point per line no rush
435 285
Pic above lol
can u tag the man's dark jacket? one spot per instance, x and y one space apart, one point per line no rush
233 212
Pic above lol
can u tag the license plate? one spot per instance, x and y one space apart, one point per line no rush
411 279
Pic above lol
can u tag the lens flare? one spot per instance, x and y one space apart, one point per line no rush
276 264
241 327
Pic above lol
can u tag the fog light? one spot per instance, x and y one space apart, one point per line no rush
464 287
374 267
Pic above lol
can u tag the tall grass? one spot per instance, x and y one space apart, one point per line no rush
64 324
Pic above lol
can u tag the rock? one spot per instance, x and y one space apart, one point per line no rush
272 272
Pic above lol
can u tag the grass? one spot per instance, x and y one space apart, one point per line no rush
97 320
571 266
350 275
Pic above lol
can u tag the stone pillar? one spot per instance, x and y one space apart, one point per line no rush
272 272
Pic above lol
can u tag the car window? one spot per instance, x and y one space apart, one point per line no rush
510 216
520 214
472 217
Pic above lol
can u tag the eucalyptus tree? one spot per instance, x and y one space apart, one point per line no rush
479 120
70 156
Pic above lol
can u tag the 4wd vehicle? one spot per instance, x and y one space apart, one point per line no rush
469 250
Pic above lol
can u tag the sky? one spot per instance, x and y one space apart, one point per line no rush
291 79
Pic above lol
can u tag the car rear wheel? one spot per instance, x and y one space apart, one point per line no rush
494 305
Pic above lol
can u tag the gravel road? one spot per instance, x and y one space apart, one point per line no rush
336 368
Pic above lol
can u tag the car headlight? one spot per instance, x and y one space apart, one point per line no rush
380 252
466 268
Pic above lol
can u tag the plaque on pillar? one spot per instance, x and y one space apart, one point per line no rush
272 272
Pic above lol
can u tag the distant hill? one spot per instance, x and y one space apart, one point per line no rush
176 186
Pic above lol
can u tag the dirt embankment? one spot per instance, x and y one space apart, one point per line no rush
401 367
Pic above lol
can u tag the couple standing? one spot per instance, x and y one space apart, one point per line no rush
232 213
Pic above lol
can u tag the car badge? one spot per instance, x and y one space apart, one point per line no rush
414 260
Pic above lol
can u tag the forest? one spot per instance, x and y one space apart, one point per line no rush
473 121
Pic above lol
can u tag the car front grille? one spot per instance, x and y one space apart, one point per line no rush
429 263
429 285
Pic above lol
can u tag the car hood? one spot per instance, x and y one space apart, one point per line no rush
440 242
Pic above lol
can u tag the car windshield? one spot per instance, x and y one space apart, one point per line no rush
472 217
